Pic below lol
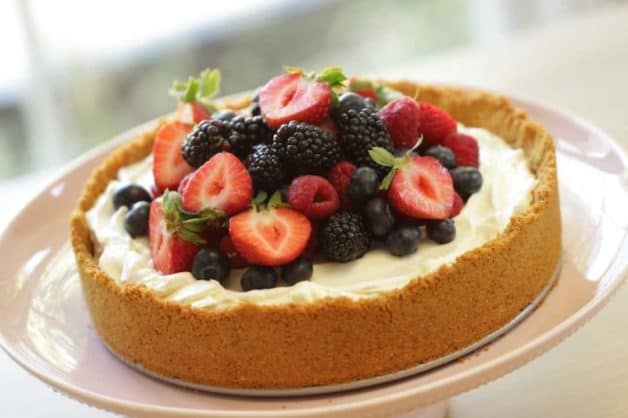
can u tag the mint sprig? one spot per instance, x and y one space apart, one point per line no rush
187 225
333 76
385 158
198 90
383 94
262 202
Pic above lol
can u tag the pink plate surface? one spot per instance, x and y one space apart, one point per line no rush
44 325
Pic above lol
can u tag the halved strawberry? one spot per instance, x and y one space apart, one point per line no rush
191 113
169 167
222 183
270 236
170 252
435 124
457 206
294 96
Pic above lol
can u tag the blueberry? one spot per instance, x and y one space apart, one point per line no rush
403 240
378 217
443 155
297 271
467 180
128 195
363 184
441 232
350 100
136 219
258 278
211 264
223 115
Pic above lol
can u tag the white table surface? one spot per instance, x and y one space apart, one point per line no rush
580 64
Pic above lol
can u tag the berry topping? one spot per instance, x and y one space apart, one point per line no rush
339 176
136 219
402 118
306 149
313 196
299 270
227 247
343 237
467 180
435 124
128 195
378 217
258 278
359 132
221 184
206 139
210 264
169 167
191 113
403 240
246 132
363 185
457 206
350 101
269 235
224 115
298 96
465 148
441 232
184 183
419 187
195 104
265 168
443 154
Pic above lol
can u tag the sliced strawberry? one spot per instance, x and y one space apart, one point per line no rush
422 188
403 118
170 253
435 125
191 113
465 148
222 183
183 184
270 237
457 206
169 167
155 191
294 96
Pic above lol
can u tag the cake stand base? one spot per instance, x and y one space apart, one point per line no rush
437 410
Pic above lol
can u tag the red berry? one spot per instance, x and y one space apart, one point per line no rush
184 183
155 191
222 183
402 118
270 237
191 113
294 97
311 247
170 253
465 148
367 91
422 188
313 196
339 176
457 206
435 125
169 167
227 247
328 124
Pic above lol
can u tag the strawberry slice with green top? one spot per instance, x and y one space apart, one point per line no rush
195 94
174 234
371 90
169 167
269 234
418 187
299 96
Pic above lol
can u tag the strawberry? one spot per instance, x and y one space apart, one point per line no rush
222 183
183 184
457 206
169 167
435 124
191 113
313 196
339 176
299 96
269 235
155 191
402 117
364 88
195 95
418 187
465 148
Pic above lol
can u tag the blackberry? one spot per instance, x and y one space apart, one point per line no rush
206 139
265 169
255 109
343 237
305 148
244 132
359 131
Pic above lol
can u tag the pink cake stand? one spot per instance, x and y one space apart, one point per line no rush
44 325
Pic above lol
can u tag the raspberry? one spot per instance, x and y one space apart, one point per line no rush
339 176
465 148
227 247
402 118
458 205
313 196
435 124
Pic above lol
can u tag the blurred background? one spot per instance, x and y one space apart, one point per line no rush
75 73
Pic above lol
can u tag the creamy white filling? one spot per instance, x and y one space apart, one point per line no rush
506 192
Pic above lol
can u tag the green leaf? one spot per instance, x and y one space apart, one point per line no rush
190 93
209 83
198 90
361 84
332 76
386 94
382 156
386 181
276 201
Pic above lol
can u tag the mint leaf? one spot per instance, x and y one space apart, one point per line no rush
382 156
198 90
332 76
209 83
361 84
386 181
386 94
